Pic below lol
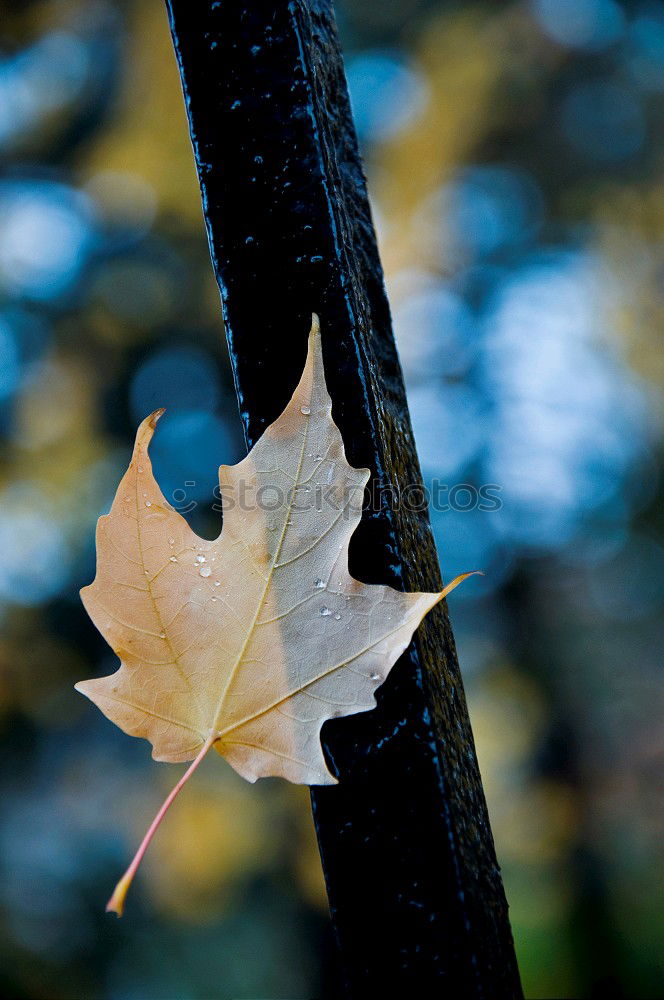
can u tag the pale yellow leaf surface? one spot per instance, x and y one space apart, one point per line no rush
255 639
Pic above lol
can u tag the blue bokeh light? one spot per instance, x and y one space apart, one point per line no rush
46 238
448 425
434 328
177 378
492 207
645 47
386 94
186 454
10 368
40 80
567 418
584 24
36 562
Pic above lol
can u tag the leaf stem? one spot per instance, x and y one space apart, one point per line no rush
117 900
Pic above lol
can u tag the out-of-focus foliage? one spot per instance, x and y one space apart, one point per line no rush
513 151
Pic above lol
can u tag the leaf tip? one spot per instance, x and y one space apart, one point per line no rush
144 434
83 688
315 325
154 417
457 580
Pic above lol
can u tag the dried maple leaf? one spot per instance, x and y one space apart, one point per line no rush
250 642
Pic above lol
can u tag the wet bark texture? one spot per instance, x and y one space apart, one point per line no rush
415 891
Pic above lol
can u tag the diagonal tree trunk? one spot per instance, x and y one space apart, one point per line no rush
414 887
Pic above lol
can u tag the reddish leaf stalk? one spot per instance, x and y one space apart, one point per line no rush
117 900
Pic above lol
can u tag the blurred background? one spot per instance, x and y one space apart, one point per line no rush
514 152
